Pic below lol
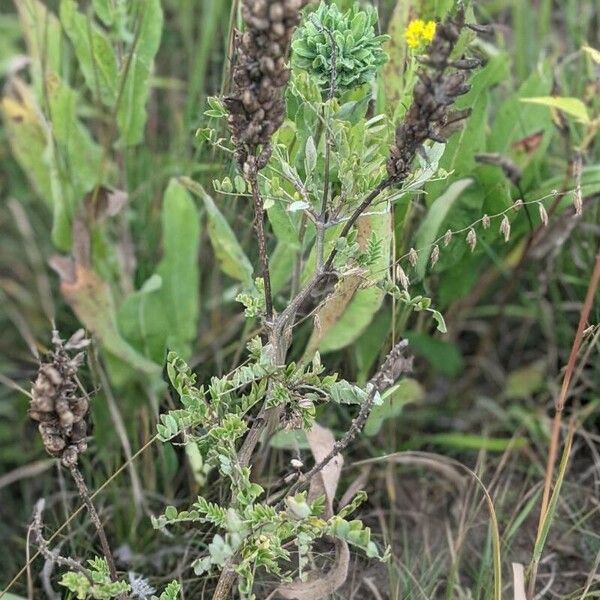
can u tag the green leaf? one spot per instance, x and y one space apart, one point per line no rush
429 231
94 52
514 120
572 106
310 156
164 312
131 114
467 441
28 137
43 37
283 225
179 266
443 357
75 161
230 256
404 392
522 383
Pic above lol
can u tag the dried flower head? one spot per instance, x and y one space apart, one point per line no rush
256 105
485 221
358 51
441 82
419 33
55 402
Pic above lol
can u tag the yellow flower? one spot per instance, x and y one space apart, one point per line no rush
419 32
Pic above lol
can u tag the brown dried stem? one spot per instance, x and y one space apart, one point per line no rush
37 527
394 365
259 228
84 493
560 405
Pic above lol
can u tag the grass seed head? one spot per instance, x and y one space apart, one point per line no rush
505 228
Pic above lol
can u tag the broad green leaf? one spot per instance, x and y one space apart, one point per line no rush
230 255
105 10
372 344
43 37
147 18
74 158
179 266
164 312
283 225
429 231
143 321
80 157
515 120
404 392
61 159
94 52
281 265
572 106
28 135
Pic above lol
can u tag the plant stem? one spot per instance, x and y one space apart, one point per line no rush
392 367
259 228
84 492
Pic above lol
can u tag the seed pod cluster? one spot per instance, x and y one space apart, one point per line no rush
55 402
256 105
429 117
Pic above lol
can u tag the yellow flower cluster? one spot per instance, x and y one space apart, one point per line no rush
419 32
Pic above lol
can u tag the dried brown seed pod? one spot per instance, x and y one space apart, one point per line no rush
256 105
56 403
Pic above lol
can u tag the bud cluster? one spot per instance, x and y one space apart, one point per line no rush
429 116
256 104
55 402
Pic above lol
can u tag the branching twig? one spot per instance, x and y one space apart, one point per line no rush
37 526
84 492
392 367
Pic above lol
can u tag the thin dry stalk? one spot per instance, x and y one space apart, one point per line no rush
560 404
